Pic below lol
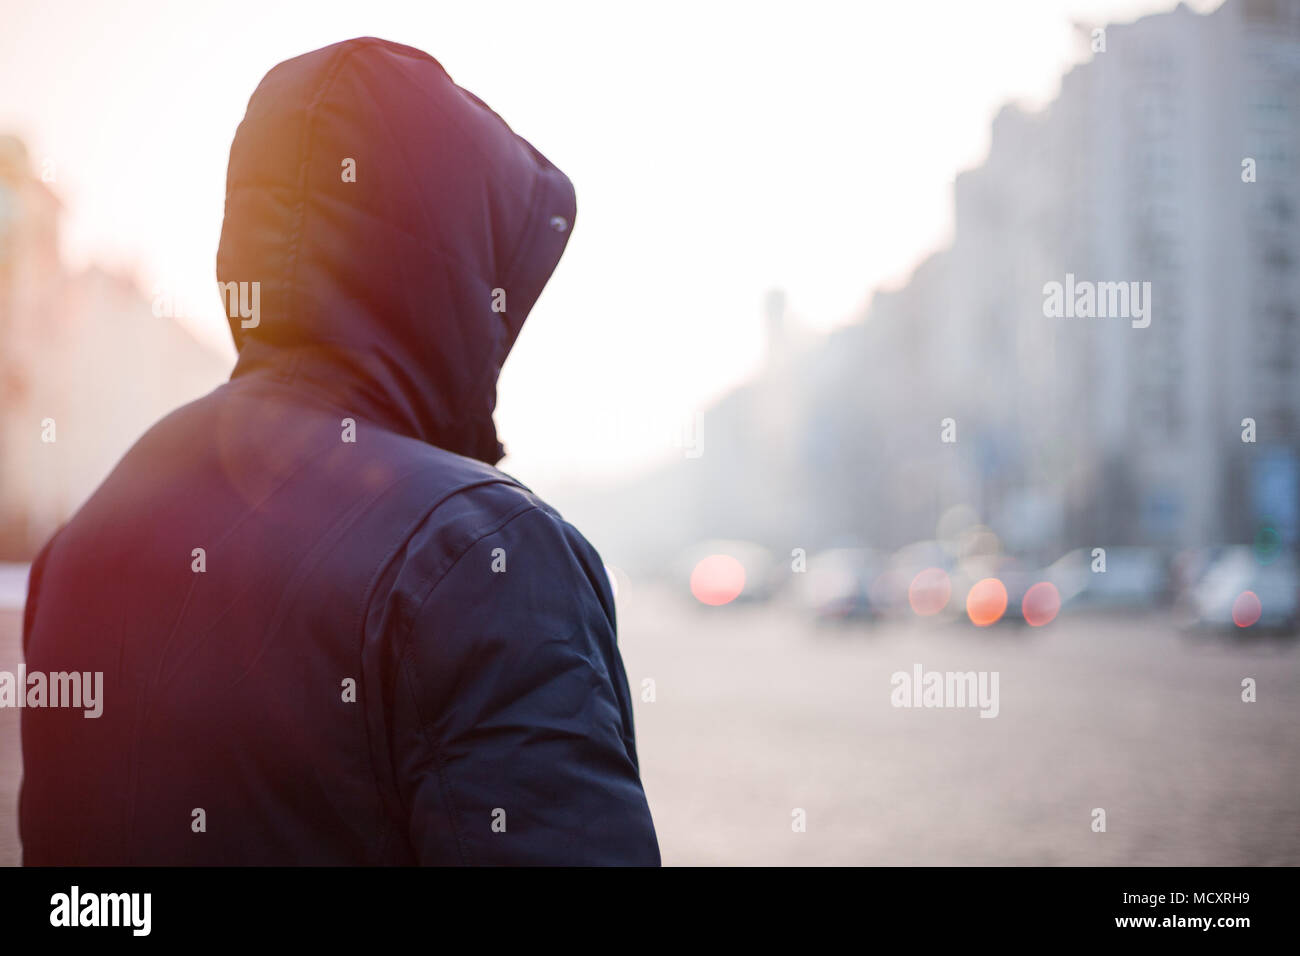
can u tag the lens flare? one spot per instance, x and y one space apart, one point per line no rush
986 602
1267 544
717 579
1041 604
1246 610
929 592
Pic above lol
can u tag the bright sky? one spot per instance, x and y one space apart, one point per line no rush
718 150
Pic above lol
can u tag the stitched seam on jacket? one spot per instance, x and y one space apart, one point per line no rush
360 629
407 658
440 768
304 168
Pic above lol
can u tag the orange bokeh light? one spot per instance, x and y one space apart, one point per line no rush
986 602
929 591
717 579
1041 604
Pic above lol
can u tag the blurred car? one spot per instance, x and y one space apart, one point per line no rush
1222 596
1135 577
1017 579
707 567
837 583
1032 596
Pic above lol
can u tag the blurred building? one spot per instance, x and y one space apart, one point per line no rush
84 351
1089 430
1070 432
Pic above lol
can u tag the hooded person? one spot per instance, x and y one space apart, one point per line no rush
330 630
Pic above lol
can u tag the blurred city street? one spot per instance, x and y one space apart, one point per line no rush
758 712
884 321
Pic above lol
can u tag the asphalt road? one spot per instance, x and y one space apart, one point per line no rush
758 713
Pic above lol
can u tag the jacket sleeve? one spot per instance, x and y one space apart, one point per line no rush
514 740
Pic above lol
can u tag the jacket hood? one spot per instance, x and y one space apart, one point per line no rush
398 231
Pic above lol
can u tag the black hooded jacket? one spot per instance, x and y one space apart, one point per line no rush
330 630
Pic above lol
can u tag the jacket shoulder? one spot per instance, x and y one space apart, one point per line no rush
466 502
471 496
